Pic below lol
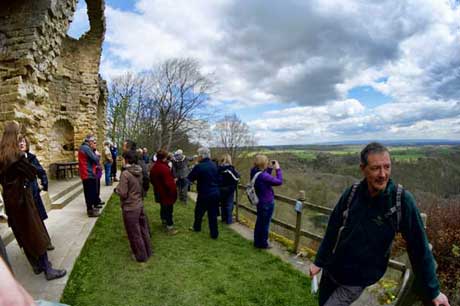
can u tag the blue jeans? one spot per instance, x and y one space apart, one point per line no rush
107 170
226 205
261 230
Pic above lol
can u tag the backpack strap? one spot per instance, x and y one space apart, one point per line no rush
397 207
345 213
253 181
233 175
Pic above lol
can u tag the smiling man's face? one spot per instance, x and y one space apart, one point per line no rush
377 172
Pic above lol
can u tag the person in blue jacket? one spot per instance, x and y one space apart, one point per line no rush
207 177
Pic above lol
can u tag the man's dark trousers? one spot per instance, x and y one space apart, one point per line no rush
90 191
210 204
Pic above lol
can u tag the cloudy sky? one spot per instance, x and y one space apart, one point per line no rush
301 71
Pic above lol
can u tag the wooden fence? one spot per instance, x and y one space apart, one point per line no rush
405 296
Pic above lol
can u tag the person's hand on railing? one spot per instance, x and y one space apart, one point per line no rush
441 300
314 269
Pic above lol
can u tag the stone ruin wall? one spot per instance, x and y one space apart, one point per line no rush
49 81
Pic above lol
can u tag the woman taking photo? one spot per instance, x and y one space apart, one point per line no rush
16 177
263 186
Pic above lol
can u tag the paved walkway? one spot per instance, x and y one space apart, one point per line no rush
69 228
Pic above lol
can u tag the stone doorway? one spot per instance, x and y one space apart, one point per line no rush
62 141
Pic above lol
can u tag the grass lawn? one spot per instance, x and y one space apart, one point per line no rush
186 269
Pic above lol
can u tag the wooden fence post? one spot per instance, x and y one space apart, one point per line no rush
298 222
237 203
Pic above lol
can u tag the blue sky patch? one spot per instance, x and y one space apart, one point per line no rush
368 96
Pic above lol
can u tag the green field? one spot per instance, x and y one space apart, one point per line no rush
186 269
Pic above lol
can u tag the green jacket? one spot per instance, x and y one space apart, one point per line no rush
363 252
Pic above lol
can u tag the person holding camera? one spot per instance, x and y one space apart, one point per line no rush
264 189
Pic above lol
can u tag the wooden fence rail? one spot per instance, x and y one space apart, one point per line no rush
405 296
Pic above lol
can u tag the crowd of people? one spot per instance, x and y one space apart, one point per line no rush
353 255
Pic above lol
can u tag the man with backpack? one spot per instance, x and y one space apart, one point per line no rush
356 248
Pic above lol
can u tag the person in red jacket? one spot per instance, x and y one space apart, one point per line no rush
163 183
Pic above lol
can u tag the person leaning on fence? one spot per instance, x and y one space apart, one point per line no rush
163 183
229 179
263 185
135 220
87 163
107 161
355 250
16 175
41 173
207 178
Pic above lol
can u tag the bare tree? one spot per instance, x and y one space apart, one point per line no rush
179 91
233 135
155 108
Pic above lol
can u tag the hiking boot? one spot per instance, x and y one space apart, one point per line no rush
93 213
54 274
171 230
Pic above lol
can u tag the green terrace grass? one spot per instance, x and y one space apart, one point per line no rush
186 269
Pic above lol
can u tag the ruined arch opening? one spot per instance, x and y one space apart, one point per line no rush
79 24
62 141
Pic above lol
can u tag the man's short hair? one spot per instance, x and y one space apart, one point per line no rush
130 157
90 137
162 154
130 145
372 148
204 152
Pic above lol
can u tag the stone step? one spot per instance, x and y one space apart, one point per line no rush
65 191
65 199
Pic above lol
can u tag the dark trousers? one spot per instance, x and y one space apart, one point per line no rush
182 189
90 191
332 293
208 204
98 190
166 214
137 228
261 230
226 205
3 254
41 263
113 169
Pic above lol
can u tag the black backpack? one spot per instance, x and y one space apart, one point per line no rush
395 209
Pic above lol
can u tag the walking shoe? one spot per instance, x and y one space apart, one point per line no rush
115 179
98 206
93 213
54 274
171 230
50 247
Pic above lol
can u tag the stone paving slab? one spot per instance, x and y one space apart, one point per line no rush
69 228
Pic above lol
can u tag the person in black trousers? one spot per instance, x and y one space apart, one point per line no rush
207 178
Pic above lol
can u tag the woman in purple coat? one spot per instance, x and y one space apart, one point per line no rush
263 186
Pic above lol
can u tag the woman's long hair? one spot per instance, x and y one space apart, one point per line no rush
9 148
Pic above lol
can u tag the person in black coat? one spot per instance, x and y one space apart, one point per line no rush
41 174
229 179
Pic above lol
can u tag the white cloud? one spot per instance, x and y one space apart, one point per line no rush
306 52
